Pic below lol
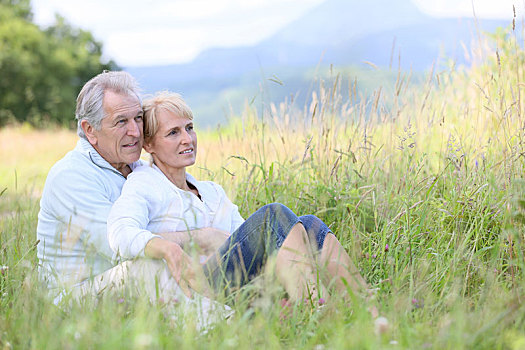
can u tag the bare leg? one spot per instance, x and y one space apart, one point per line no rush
339 267
295 265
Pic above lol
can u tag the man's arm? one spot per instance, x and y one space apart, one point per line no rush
72 225
207 239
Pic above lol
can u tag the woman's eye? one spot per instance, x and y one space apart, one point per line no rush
189 127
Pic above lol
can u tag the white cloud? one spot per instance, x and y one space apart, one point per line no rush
163 31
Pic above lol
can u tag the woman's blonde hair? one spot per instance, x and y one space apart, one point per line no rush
164 100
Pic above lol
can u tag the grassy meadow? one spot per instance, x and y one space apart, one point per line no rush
423 184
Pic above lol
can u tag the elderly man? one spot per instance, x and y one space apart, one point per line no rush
80 189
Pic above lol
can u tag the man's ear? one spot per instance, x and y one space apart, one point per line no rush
89 131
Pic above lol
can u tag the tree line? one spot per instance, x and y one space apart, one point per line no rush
43 69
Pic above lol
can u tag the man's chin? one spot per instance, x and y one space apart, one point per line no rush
132 158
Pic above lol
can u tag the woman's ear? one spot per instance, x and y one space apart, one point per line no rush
148 147
89 131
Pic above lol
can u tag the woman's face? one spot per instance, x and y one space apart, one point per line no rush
174 146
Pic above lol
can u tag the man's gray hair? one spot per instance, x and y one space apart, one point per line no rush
91 97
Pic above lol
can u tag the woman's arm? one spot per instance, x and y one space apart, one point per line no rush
128 220
139 203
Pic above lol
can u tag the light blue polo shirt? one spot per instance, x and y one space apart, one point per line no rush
78 194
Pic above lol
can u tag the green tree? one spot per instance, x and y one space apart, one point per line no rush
19 8
42 71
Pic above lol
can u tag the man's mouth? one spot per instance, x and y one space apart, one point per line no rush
133 144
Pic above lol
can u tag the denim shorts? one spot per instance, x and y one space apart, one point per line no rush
245 252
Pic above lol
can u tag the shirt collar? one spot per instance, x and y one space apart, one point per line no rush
207 193
189 178
86 148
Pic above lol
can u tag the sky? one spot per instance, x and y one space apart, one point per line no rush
156 32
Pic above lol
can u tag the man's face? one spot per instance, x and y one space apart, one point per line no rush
119 140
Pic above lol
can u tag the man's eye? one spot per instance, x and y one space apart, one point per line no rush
139 118
121 121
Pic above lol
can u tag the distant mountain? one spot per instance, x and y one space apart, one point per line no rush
336 23
339 32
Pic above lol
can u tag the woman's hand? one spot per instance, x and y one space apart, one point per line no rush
186 272
210 239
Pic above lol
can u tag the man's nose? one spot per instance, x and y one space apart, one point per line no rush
134 128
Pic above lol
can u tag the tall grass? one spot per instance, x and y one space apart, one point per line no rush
423 184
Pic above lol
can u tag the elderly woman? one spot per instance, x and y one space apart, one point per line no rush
165 213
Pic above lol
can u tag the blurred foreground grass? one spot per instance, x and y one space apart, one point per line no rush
422 184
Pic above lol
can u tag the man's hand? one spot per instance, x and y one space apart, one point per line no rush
207 239
186 272
210 239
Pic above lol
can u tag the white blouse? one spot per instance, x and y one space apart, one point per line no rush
150 203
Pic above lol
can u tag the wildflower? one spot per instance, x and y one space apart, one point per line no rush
418 304
285 302
120 300
4 269
321 301
286 309
386 247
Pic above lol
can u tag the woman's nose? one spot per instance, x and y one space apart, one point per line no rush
186 138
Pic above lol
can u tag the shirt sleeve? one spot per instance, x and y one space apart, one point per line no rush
129 218
237 219
234 217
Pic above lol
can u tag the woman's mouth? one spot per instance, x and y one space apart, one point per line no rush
187 151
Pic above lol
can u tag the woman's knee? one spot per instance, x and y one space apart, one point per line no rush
317 230
276 213
313 223
276 220
275 209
